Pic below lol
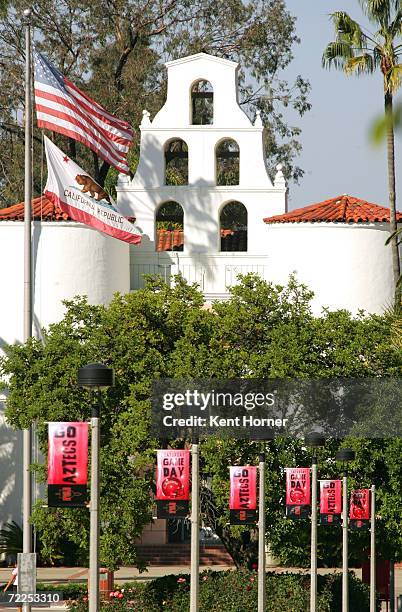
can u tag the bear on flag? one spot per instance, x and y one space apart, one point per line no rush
72 190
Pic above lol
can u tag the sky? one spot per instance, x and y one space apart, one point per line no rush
337 155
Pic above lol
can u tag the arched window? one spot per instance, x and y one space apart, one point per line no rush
169 223
227 162
202 103
176 162
233 227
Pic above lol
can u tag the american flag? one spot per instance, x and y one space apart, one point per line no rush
62 107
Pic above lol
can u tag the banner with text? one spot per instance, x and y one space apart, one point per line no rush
298 494
172 483
359 509
330 502
243 495
67 464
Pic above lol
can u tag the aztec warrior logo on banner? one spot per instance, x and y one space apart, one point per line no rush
172 483
298 496
243 495
330 501
67 464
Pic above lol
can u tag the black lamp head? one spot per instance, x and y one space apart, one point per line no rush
95 375
314 439
345 454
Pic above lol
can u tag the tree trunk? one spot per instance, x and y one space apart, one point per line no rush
391 193
244 548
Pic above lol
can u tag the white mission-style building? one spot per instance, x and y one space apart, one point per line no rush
220 155
207 209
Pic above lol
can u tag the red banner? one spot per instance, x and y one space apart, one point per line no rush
298 486
330 496
173 475
243 488
359 508
68 454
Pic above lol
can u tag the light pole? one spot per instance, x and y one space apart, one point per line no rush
195 527
372 552
95 376
345 455
27 433
261 535
314 440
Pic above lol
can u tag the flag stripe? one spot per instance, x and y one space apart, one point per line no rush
104 118
56 127
64 108
58 110
67 123
80 95
81 216
54 99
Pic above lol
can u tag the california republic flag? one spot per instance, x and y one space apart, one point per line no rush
71 189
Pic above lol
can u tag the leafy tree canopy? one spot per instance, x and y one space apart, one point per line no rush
115 51
262 331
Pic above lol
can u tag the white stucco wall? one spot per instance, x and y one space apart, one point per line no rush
11 470
69 259
346 265
202 200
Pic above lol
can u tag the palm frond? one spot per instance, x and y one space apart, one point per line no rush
377 56
393 79
380 129
336 54
395 27
379 11
361 64
348 30
393 235
11 539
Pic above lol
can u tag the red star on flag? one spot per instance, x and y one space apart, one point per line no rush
66 159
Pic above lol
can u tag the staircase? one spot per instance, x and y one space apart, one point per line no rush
179 554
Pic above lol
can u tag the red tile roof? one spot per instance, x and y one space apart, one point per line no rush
343 209
169 240
231 240
42 209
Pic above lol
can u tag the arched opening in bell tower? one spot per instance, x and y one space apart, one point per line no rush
202 103
176 162
233 227
169 227
227 162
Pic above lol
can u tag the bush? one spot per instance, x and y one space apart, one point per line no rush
70 590
235 591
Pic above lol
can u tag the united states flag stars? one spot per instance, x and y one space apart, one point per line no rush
63 108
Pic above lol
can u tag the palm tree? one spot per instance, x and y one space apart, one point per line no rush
358 51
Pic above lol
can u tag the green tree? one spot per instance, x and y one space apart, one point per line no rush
115 52
136 334
357 51
262 331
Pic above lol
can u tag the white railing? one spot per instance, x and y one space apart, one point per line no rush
214 274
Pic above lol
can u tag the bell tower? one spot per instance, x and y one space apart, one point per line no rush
202 161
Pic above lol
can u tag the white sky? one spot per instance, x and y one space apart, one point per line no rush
337 155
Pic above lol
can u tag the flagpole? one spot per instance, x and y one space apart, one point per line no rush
27 436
